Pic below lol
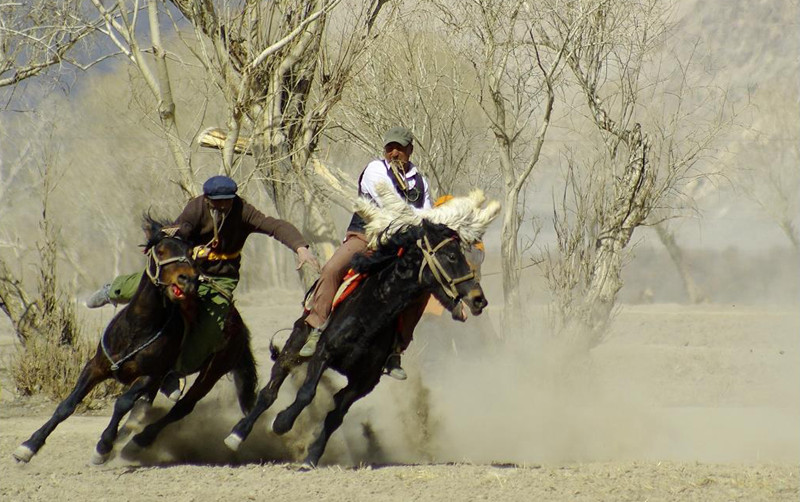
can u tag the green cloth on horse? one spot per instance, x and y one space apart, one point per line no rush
207 336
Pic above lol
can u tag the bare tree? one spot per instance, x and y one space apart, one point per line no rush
516 80
281 67
413 79
667 237
44 311
654 123
767 155
37 35
664 222
121 24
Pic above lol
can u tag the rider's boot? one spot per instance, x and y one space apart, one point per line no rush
172 386
311 343
393 368
100 297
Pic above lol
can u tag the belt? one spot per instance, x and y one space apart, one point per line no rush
203 253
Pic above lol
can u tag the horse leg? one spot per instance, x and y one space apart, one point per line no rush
245 378
286 418
91 375
266 397
342 401
205 381
139 412
122 406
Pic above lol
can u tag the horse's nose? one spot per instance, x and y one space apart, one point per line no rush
187 282
476 301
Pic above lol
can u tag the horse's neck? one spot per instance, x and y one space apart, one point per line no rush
188 311
398 292
148 304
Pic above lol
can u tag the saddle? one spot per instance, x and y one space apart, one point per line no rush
349 284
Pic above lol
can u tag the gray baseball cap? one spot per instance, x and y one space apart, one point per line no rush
399 135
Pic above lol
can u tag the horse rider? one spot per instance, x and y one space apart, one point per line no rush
397 169
217 224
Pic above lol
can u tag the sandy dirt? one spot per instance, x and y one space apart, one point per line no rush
679 403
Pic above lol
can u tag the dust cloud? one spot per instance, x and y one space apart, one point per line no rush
707 383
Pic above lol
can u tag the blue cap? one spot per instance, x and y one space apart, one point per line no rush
220 187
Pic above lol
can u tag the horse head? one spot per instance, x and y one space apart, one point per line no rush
445 235
446 268
169 262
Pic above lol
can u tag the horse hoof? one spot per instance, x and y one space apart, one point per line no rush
99 458
278 426
233 441
141 441
23 454
306 466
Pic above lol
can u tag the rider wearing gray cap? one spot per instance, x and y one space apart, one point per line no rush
396 169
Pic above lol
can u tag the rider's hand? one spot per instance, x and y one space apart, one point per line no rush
305 256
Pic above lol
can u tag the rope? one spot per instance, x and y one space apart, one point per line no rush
115 365
155 275
439 273
213 285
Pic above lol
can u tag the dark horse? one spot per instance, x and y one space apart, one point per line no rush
360 334
142 343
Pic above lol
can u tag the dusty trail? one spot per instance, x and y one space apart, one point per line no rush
681 403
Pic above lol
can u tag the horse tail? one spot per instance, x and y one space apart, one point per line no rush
274 351
245 375
275 347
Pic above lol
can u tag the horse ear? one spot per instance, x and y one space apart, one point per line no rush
152 229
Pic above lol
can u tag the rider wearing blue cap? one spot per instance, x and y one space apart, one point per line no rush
217 224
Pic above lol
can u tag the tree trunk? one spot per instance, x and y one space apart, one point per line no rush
510 265
16 304
166 105
630 207
667 238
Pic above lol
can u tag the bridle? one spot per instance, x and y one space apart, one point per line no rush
429 259
153 270
154 265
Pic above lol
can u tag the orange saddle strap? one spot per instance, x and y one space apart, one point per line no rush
350 282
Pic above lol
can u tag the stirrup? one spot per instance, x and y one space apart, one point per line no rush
172 386
311 343
393 368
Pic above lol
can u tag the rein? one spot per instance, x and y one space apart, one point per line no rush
116 364
213 285
442 277
153 271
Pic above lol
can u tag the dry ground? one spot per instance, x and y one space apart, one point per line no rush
680 403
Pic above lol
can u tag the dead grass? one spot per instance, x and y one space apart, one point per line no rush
51 361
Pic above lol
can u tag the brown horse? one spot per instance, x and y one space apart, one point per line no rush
142 343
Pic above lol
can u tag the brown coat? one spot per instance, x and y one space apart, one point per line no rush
197 227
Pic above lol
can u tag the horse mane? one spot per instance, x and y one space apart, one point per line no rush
387 251
153 229
464 215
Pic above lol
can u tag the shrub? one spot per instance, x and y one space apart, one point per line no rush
52 359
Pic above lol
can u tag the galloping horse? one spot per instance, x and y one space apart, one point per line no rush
414 257
142 342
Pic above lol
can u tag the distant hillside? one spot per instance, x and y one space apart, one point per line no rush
753 41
